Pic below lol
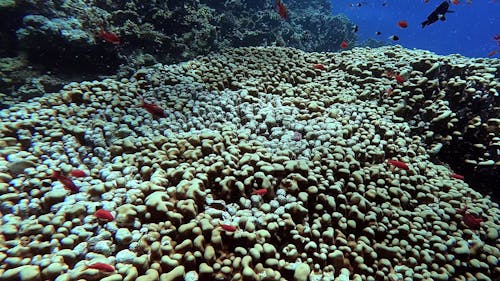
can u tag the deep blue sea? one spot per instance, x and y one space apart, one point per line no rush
468 31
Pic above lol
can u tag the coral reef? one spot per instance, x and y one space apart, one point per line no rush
7 4
13 72
60 44
455 109
182 188
21 81
61 34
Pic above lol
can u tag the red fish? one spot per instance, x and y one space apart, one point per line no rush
104 215
456 2
403 24
492 53
260 192
109 37
457 176
78 173
497 38
344 45
152 108
228 228
67 182
398 164
281 9
102 267
389 92
469 219
400 79
319 66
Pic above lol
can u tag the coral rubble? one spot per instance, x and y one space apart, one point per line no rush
182 188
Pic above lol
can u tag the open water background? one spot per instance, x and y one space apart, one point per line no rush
468 31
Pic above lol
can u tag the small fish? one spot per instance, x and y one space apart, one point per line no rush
426 1
356 28
492 53
318 66
152 108
344 45
260 192
102 267
437 14
282 11
389 73
400 79
77 173
398 164
55 175
66 182
469 219
455 2
109 37
457 176
104 215
497 38
389 92
393 38
227 227
403 24
359 4
378 33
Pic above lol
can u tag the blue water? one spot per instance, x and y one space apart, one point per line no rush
468 31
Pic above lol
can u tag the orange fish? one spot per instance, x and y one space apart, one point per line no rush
104 215
102 267
497 38
389 92
260 192
457 176
456 2
78 173
282 11
400 79
66 182
227 227
469 219
109 37
398 164
318 66
403 24
492 53
344 45
152 108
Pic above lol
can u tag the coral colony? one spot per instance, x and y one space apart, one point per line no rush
293 173
177 152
